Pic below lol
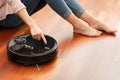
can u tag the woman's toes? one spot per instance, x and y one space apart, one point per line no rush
101 26
111 30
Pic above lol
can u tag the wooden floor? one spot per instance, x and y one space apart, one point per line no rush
79 57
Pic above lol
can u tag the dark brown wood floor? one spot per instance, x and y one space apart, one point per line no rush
79 57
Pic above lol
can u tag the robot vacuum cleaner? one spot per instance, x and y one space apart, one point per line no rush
25 50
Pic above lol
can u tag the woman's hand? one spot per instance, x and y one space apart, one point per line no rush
34 29
37 33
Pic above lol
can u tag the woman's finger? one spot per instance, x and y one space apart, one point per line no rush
44 39
38 36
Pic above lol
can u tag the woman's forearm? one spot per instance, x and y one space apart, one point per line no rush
25 17
34 29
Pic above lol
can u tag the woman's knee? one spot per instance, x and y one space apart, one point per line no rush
76 7
60 7
33 5
11 21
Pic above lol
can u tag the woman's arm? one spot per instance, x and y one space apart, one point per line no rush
34 29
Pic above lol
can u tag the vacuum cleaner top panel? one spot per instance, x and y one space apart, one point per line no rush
25 45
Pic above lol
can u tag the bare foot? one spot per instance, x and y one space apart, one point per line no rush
87 31
84 29
95 23
101 26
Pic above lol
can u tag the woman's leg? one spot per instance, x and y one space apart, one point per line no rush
40 5
96 24
64 11
80 12
13 20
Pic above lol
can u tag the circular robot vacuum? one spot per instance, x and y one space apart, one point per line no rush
25 50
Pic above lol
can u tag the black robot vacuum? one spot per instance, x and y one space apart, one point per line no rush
25 50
